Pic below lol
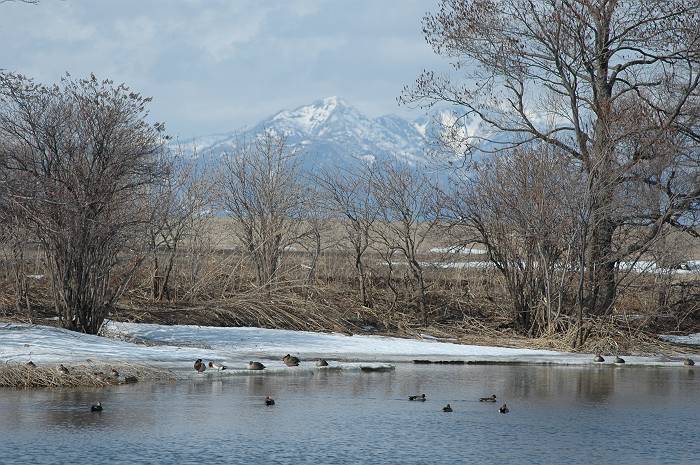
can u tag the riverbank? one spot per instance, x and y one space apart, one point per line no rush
86 374
159 350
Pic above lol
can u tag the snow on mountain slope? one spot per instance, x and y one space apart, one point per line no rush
331 132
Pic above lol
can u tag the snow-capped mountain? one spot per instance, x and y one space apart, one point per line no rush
330 132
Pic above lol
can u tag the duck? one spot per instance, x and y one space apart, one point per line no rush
290 360
269 401
216 366
63 369
418 397
492 398
255 366
199 366
619 360
31 364
689 362
322 363
503 409
599 358
447 408
97 407
115 373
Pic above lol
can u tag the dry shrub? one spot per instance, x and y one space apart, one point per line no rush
23 376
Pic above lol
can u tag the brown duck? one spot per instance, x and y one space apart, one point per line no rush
290 360
492 398
255 366
420 397
199 366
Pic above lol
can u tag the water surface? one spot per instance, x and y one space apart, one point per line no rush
620 415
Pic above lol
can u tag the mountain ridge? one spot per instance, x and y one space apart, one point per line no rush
328 132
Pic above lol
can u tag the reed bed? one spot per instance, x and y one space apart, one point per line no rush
23 376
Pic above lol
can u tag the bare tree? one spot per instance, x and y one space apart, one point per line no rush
184 204
409 207
521 206
349 195
261 189
614 86
76 159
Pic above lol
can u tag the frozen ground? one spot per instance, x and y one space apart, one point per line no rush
178 346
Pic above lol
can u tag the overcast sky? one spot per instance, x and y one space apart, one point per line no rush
216 65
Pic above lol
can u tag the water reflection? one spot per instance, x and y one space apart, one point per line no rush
353 412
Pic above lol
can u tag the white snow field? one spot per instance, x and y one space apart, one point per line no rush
176 347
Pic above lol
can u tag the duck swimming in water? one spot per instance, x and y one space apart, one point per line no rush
492 398
199 366
322 363
420 398
216 366
503 409
447 408
290 360
255 366
269 401
97 407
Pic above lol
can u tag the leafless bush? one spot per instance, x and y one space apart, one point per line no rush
76 161
261 189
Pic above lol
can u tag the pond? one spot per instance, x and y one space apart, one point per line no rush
621 415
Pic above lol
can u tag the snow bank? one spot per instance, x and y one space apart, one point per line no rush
45 344
178 346
249 343
690 339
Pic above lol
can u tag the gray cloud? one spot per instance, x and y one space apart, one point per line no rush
215 65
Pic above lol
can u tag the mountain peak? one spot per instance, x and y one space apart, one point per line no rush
308 118
331 132
332 102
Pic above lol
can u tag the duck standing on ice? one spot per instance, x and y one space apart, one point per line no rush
216 366
199 366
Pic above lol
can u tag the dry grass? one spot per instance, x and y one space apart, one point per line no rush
23 376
